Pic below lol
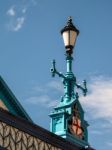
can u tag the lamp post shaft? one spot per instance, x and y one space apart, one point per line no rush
69 63
69 81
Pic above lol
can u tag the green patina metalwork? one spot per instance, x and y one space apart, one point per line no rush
11 102
63 112
62 115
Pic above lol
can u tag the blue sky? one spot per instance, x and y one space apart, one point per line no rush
30 39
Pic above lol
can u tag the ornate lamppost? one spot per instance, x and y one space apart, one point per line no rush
69 34
67 119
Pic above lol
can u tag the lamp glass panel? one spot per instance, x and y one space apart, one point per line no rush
66 38
73 36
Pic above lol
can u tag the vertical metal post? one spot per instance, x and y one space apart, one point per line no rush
69 63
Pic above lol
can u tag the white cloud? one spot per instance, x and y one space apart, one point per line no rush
24 10
53 86
107 125
18 24
43 100
15 22
99 99
11 11
17 14
96 132
56 85
42 94
38 89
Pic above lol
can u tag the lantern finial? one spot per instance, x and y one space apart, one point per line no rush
69 21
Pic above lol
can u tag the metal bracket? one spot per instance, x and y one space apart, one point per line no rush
84 88
54 71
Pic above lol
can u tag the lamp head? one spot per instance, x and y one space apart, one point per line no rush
69 34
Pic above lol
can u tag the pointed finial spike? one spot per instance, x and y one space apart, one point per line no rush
69 20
